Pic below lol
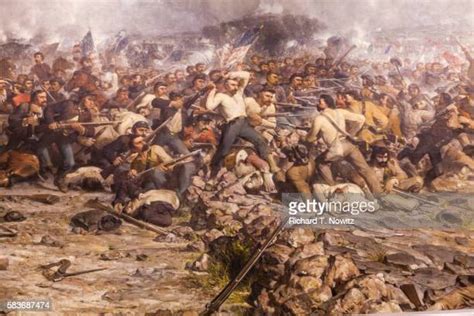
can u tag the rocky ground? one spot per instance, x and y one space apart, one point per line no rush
144 274
346 271
322 271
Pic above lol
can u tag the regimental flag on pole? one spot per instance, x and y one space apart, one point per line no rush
120 42
87 44
50 49
232 54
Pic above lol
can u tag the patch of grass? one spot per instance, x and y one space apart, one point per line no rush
468 225
182 216
222 268
378 255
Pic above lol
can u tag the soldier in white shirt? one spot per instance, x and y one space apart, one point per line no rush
231 106
339 147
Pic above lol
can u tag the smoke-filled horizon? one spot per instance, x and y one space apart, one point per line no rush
66 21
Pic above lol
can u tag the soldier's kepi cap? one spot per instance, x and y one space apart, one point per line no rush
140 124
204 118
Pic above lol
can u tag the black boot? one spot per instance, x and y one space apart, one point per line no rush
60 182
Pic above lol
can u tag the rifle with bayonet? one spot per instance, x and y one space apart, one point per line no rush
217 302
98 205
148 139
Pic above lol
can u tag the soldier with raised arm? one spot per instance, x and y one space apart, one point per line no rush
231 105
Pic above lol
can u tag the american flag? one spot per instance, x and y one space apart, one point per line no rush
232 54
120 42
87 44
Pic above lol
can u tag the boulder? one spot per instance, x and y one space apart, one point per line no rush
403 260
345 269
433 278
465 260
277 254
312 266
211 235
414 293
298 237
438 254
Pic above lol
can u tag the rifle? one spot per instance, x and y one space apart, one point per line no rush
284 114
302 128
38 82
174 162
308 100
291 105
437 116
310 97
243 180
319 89
148 139
68 124
97 205
397 63
342 57
135 101
211 145
144 91
195 97
216 303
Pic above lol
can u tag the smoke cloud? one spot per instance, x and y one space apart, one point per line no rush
66 21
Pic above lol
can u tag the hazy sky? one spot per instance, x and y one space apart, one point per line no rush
68 20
